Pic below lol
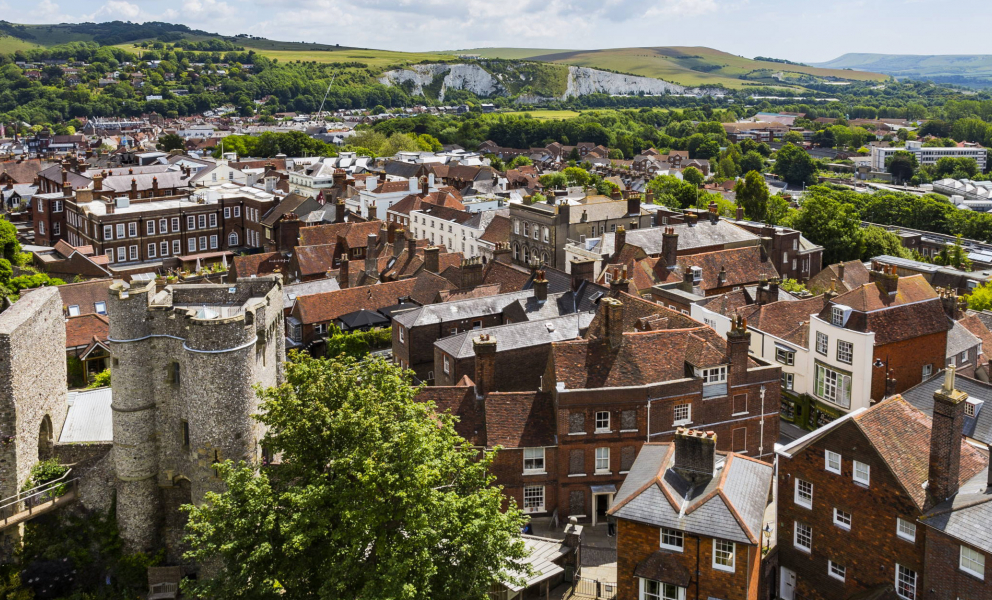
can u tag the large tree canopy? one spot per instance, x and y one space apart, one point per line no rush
376 497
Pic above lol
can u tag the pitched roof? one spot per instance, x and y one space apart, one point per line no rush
479 291
704 234
292 291
354 234
24 171
518 335
456 311
960 339
427 286
978 427
519 419
785 320
327 306
314 260
855 275
446 196
914 310
83 330
511 278
85 294
730 505
258 264
900 433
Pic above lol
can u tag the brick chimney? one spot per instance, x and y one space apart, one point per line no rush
411 246
399 241
619 283
502 253
670 247
371 264
613 311
339 211
690 219
738 343
954 307
343 273
714 213
687 284
885 278
154 187
485 363
721 277
619 240
432 256
766 248
840 271
695 455
945 440
582 270
133 194
391 233
649 197
740 213
616 194
97 182
634 204
471 272
540 286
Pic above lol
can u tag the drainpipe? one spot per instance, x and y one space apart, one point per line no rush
761 441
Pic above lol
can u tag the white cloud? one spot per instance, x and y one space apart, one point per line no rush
115 10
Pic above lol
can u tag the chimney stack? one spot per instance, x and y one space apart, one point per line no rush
343 272
619 283
670 247
738 344
154 187
485 363
840 271
613 311
339 211
582 270
502 253
714 212
740 213
540 286
634 204
954 307
399 241
885 278
619 240
471 272
945 440
766 248
371 264
133 194
432 256
721 277
695 455
97 182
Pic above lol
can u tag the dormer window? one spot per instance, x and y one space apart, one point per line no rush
837 316
697 274
714 375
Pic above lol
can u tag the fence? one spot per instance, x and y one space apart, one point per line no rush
593 588
28 500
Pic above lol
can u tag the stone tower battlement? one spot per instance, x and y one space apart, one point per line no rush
185 360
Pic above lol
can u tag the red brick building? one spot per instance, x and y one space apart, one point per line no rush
689 522
852 495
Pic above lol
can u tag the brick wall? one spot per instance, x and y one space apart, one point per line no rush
871 548
907 358
517 370
943 575
637 541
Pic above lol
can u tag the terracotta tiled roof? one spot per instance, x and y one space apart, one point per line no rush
325 307
869 296
913 311
24 171
85 294
314 260
972 323
354 234
462 403
498 230
80 331
480 291
258 264
900 433
446 196
427 287
389 187
519 420
510 277
785 320
855 275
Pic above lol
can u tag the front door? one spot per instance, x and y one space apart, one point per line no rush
787 584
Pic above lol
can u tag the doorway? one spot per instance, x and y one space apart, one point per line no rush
787 584
601 503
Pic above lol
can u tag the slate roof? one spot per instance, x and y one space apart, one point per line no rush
900 433
456 311
967 515
518 335
729 506
978 427
702 235
960 339
541 556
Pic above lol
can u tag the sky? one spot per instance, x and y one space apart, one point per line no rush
799 30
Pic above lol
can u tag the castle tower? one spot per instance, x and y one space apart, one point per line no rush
185 360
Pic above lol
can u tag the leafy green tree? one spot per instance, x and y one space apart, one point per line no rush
954 255
378 109
574 155
169 142
794 165
496 162
708 149
672 192
901 165
9 246
793 137
879 242
980 298
576 175
956 168
792 286
693 175
376 498
831 224
101 379
553 180
779 210
6 271
752 196
520 161
752 161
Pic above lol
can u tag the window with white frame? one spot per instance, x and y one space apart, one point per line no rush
134 252
714 375
845 351
533 460
804 493
213 219
400 330
101 308
822 343
232 239
969 408
723 555
237 211
862 473
447 365
683 414
906 530
201 221
836 571
110 254
74 310
132 229
672 539
831 461
176 246
191 244
602 460
164 249
227 212
152 250
602 421
121 254
175 224
972 562
150 227
905 582
655 590
108 232
842 519
803 537
837 316
163 226
203 242
833 386
191 222
120 231
213 242
788 381
786 357
927 371
534 499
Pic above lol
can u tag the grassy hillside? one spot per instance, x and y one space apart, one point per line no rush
948 68
692 66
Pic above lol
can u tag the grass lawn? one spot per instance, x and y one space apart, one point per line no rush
545 115
11 44
373 58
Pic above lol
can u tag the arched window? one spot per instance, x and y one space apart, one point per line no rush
526 229
46 443
526 254
516 252
232 240
544 258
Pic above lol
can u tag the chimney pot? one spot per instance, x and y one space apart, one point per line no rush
695 455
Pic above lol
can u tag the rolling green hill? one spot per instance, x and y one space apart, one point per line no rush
964 69
686 65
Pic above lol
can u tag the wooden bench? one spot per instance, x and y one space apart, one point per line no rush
163 591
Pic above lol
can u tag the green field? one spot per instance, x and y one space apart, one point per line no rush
373 58
12 44
545 115
508 53
686 65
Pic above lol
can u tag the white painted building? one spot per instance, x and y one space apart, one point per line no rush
927 155
457 230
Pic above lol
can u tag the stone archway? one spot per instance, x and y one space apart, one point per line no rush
46 439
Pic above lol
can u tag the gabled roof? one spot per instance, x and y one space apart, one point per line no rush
704 234
978 427
446 196
85 294
914 310
314 260
855 275
456 311
729 506
83 330
258 264
785 320
497 231
327 306
354 234
518 335
519 420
